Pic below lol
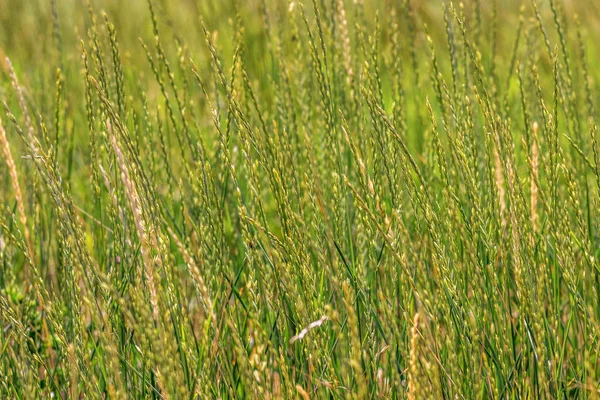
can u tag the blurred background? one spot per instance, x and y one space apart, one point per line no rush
32 32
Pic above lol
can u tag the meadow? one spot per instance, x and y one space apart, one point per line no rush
278 199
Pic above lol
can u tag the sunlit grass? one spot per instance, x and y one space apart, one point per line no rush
289 199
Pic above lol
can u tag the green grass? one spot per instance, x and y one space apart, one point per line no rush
299 199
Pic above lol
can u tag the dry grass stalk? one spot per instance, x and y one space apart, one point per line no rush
534 177
413 385
136 209
17 189
500 185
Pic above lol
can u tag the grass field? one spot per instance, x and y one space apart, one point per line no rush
395 199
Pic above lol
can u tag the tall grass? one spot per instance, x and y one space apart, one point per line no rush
299 199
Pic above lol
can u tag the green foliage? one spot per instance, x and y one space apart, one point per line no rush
314 199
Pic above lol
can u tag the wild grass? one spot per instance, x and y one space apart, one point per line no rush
299 199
